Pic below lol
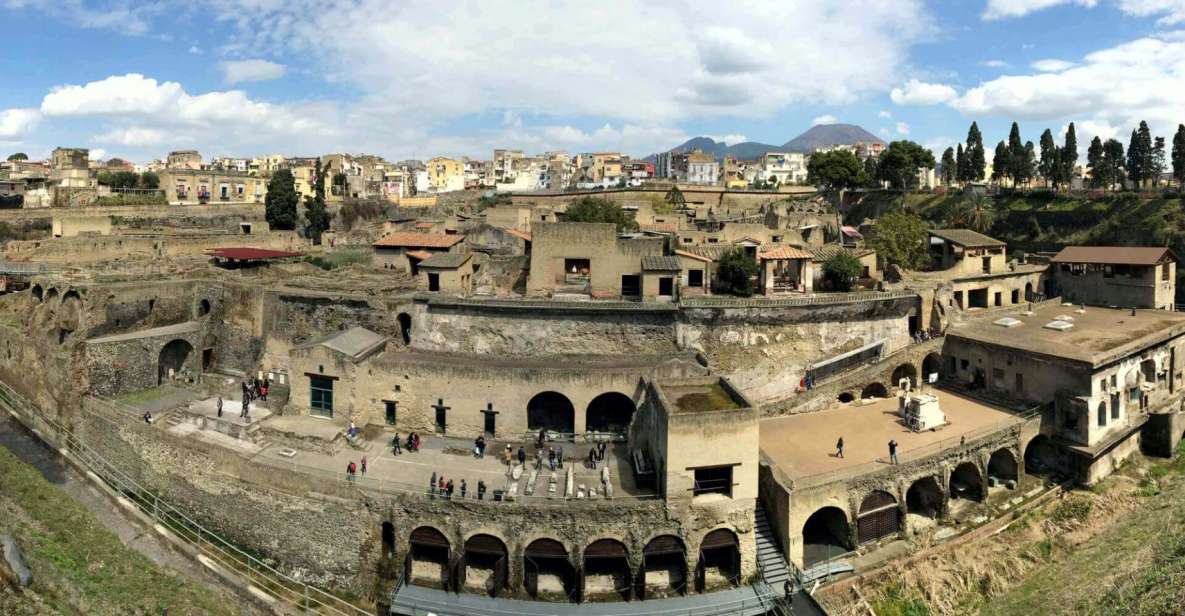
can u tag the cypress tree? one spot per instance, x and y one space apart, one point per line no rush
961 162
1001 163
280 202
1069 155
1094 162
949 167
1016 154
1179 155
976 161
1049 159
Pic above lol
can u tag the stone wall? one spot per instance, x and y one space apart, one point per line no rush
90 249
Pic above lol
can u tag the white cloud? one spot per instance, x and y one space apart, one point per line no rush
15 123
731 139
237 71
1168 12
1052 65
124 17
97 154
135 136
1002 9
195 50
994 63
921 93
884 114
118 94
902 128
824 119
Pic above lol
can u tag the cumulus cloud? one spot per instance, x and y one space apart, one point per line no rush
902 128
1168 12
195 50
1002 9
16 123
134 136
731 139
994 63
237 71
921 93
824 119
884 114
1052 65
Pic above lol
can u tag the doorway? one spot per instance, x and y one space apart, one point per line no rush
631 285
390 412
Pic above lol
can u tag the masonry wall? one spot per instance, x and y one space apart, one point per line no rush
90 249
1144 288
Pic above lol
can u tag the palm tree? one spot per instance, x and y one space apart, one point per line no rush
975 213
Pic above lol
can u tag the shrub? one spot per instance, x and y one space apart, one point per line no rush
354 210
735 272
1071 509
842 270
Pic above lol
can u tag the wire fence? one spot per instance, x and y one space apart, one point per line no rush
272 583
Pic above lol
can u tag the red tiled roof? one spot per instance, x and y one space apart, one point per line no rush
246 254
425 225
419 254
403 239
522 235
784 252
660 227
1114 255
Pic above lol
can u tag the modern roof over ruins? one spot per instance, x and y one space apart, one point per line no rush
404 239
966 238
446 260
356 342
1115 255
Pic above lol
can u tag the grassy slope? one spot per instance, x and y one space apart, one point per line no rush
78 565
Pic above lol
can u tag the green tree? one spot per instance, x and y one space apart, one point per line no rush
675 198
1016 156
1001 163
1027 165
900 239
735 272
842 271
835 171
1157 163
281 201
900 162
599 209
960 164
1069 155
1179 155
870 172
1094 162
976 161
18 156
316 216
1139 155
1112 162
149 180
119 179
950 167
1050 159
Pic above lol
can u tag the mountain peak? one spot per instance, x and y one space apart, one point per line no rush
828 134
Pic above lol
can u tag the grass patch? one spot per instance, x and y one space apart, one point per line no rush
340 258
1071 509
712 398
81 567
896 601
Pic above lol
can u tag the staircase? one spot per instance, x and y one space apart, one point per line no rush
769 556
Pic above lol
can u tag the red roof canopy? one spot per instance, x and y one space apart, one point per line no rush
250 254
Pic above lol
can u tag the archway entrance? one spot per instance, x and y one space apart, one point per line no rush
664 568
879 517
609 413
905 371
966 482
873 390
845 397
825 536
173 357
551 411
719 560
931 365
1040 456
483 566
38 292
1002 466
607 571
1028 292
428 558
388 537
404 320
547 572
924 498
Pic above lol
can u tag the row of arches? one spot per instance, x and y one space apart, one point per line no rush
603 570
611 412
827 533
931 364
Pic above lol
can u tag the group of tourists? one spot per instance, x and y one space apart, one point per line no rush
597 454
412 444
440 487
892 449
352 470
253 389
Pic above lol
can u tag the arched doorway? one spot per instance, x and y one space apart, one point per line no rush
905 371
931 365
873 390
38 292
879 517
1028 291
483 566
209 342
404 320
548 574
203 308
606 571
1002 466
551 411
173 358
845 397
966 482
924 498
387 533
51 294
609 413
428 558
825 535
664 568
719 560
1040 456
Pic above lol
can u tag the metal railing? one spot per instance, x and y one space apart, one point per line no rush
27 267
279 586
760 600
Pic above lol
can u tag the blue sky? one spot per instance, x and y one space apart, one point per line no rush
417 79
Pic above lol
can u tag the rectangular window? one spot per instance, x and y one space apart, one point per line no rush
713 480
321 396
666 286
695 278
1164 271
433 282
389 412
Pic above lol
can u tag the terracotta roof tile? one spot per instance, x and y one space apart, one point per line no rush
784 252
1114 255
403 239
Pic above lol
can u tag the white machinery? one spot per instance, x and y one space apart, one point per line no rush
920 411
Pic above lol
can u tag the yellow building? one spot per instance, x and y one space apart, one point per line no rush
445 174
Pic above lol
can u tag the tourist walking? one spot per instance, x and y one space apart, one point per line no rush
246 407
396 446
448 490
538 459
263 390
551 459
522 456
893 451
219 406
463 488
432 485
592 458
559 456
363 466
350 470
839 448
481 489
481 447
508 455
440 486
